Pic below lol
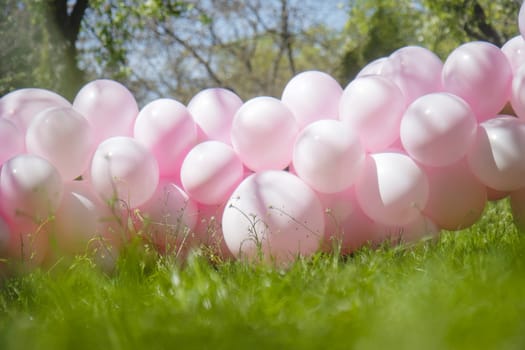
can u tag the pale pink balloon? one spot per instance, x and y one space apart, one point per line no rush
213 110
415 70
109 106
31 188
273 214
479 73
311 96
517 205
373 107
328 156
167 129
438 129
457 198
21 106
346 225
517 96
374 67
392 189
63 137
496 157
418 228
514 50
11 140
122 169
169 217
78 219
210 172
263 134
521 20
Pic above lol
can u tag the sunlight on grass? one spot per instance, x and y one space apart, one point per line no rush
464 290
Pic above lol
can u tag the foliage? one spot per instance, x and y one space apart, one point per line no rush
461 291
375 29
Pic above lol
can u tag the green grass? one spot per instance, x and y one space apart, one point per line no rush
465 290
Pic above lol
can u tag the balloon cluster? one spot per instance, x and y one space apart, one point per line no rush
411 146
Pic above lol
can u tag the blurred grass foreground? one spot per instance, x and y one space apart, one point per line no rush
464 290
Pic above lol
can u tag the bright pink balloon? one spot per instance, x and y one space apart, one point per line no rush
167 129
109 106
479 73
213 110
514 50
345 222
517 205
438 129
123 169
373 107
263 134
517 96
496 157
415 70
328 156
30 188
273 213
392 189
78 220
418 228
457 198
169 217
210 172
311 96
21 106
494 195
11 140
63 137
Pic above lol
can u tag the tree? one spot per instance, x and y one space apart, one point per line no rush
376 29
39 44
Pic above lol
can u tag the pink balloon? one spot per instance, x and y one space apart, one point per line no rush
5 237
328 156
392 189
457 198
208 231
273 213
28 244
63 137
415 70
438 129
418 228
213 110
109 106
496 157
30 188
210 172
374 67
123 169
479 73
345 222
11 140
517 97
21 106
167 129
494 195
263 134
169 217
311 96
514 50
521 20
517 205
373 107
78 220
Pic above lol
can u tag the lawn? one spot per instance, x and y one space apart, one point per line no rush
465 290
